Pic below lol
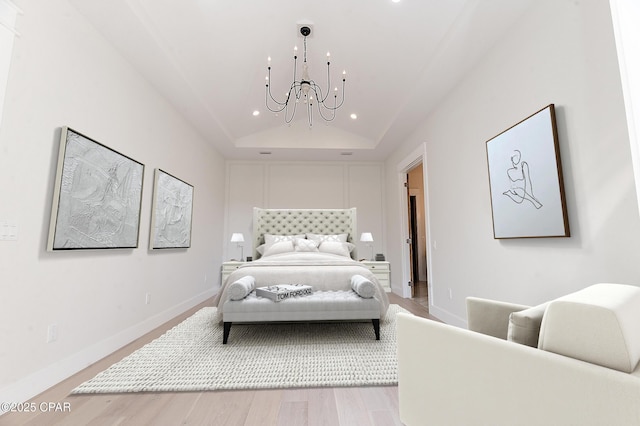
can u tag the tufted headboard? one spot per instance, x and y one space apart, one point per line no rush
301 221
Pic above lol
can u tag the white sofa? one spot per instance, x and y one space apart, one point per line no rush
584 370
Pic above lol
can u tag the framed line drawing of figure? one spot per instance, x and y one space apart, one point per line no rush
525 179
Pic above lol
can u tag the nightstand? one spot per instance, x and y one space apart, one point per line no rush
228 267
382 271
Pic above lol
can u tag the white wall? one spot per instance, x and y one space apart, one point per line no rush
64 73
561 52
625 15
305 185
8 14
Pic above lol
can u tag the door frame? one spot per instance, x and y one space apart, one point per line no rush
418 156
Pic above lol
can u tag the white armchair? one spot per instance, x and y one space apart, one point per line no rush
585 371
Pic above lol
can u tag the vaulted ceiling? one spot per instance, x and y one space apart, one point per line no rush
209 59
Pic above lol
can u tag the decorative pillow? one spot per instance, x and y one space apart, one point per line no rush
241 288
277 248
305 245
334 247
260 249
270 239
363 286
318 238
524 326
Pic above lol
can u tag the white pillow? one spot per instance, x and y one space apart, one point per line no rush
318 238
277 248
302 244
334 247
240 288
364 287
524 326
270 238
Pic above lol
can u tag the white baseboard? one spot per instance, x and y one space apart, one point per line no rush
38 382
447 317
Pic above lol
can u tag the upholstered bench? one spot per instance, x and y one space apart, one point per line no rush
319 306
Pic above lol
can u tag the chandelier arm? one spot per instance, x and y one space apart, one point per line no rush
295 67
282 105
288 119
332 111
269 95
342 101
336 105
317 88
336 97
328 82
269 86
297 89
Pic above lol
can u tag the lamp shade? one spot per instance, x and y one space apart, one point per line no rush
237 237
366 236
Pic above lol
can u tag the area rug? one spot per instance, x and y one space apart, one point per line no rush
191 357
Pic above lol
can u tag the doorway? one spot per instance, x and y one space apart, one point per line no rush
417 235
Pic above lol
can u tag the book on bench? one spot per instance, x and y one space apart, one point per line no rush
283 291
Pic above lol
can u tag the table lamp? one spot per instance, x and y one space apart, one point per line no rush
366 237
238 238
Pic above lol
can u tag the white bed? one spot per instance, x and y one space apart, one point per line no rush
311 247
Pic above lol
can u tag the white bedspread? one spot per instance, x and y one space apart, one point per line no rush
322 271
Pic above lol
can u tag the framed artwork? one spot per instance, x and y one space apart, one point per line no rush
525 179
171 212
97 196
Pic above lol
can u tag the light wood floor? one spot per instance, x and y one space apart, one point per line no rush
421 295
376 406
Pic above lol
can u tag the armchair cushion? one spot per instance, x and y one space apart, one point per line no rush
599 324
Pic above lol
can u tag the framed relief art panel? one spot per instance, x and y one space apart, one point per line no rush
171 212
97 196
525 179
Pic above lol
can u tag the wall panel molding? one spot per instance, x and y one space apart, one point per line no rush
304 184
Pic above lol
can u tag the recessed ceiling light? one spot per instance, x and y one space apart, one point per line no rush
395 1
256 113
354 116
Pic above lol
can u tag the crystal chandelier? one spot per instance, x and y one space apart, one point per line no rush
305 90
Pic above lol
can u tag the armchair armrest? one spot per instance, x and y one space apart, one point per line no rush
490 317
